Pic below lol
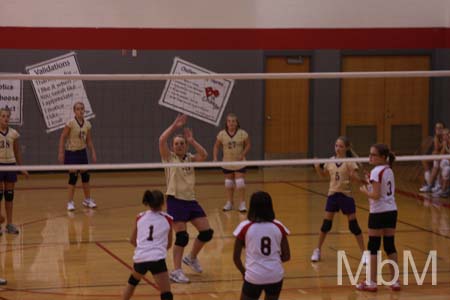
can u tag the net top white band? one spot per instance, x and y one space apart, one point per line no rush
248 163
238 76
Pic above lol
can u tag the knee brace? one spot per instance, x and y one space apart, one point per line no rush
85 177
1 195
388 244
444 163
354 227
240 183
374 244
9 195
181 238
73 177
166 296
229 183
133 281
205 235
326 225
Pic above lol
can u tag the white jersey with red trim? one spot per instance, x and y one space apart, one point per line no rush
152 236
385 177
263 249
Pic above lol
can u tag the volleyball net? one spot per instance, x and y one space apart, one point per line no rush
293 119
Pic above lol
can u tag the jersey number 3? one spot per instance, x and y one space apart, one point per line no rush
389 184
265 245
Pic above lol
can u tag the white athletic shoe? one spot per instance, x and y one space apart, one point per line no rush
3 281
242 207
70 206
228 206
193 263
436 189
425 189
178 276
90 203
315 257
396 286
367 286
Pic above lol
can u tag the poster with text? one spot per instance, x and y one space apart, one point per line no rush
57 97
11 98
204 99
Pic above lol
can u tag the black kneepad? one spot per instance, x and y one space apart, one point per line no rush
181 238
133 281
9 195
166 296
1 195
374 244
205 235
354 227
389 245
326 225
73 177
85 177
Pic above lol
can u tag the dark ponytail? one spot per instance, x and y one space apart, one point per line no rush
153 199
383 151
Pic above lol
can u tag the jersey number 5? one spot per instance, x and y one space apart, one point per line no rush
265 245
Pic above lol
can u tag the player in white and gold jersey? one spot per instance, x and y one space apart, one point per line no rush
235 145
9 155
181 199
75 138
339 194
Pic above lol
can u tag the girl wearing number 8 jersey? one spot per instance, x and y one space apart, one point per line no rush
266 243
339 194
152 237
383 213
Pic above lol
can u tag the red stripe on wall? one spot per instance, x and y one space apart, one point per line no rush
226 39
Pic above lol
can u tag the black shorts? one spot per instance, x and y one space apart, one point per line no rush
155 267
253 291
226 171
386 219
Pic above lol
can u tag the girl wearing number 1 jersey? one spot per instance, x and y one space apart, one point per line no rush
152 237
266 243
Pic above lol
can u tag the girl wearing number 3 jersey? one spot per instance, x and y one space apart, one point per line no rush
266 243
152 237
383 213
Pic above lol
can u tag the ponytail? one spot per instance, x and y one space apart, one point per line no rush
391 158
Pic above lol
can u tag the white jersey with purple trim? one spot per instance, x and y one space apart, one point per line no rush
152 236
78 134
263 249
233 146
385 177
180 181
7 139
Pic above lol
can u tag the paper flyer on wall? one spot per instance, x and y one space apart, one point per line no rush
57 97
204 99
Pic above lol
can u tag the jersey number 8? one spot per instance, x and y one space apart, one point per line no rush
265 245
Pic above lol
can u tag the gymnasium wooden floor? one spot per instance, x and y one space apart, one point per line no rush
86 254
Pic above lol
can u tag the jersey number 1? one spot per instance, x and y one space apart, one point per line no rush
150 234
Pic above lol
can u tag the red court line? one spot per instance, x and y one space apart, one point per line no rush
422 198
124 263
